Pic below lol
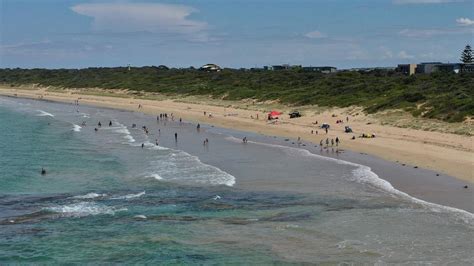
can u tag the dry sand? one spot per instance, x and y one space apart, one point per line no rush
447 153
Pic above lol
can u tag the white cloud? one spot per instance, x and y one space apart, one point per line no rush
150 17
428 33
315 35
405 2
465 22
405 55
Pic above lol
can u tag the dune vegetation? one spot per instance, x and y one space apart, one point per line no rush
444 96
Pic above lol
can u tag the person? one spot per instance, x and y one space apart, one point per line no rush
143 145
337 141
347 119
95 129
312 132
99 124
134 125
353 137
204 113
332 142
198 126
156 142
244 140
327 142
321 143
110 123
180 120
176 136
43 171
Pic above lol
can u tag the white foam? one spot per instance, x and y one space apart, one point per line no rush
76 128
364 175
122 129
140 216
91 195
81 209
156 176
130 196
85 115
43 113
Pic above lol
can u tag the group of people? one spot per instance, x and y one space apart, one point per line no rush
332 141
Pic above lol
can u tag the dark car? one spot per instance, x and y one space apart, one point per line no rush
295 114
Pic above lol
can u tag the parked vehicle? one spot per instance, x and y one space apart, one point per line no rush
295 114
325 125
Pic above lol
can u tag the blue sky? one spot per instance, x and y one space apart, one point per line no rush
232 33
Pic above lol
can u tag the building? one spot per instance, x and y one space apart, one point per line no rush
280 67
407 69
467 68
210 68
451 68
321 69
428 67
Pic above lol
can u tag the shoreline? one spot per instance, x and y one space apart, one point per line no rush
445 153
403 181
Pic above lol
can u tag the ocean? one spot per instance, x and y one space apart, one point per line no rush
114 196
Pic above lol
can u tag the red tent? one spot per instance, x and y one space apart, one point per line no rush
274 114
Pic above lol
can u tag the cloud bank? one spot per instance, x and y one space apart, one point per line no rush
465 22
149 17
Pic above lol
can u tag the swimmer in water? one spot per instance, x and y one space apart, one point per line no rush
43 171
110 123
143 145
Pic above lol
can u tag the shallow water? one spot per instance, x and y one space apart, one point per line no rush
107 199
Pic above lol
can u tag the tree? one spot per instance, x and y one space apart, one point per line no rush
466 56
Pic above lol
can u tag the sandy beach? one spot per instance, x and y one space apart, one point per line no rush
446 153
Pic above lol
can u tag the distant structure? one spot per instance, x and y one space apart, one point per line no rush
163 67
427 67
210 68
431 67
407 69
321 69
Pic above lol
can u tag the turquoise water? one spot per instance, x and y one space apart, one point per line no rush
107 199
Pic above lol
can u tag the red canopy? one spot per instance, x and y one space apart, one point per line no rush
274 113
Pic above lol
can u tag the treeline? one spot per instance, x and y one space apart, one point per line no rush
444 96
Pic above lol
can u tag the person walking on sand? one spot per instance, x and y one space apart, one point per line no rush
332 142
337 141
327 142
175 136
326 130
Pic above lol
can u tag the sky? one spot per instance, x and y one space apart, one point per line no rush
232 33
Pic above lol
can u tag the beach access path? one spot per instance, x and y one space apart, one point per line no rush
446 153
